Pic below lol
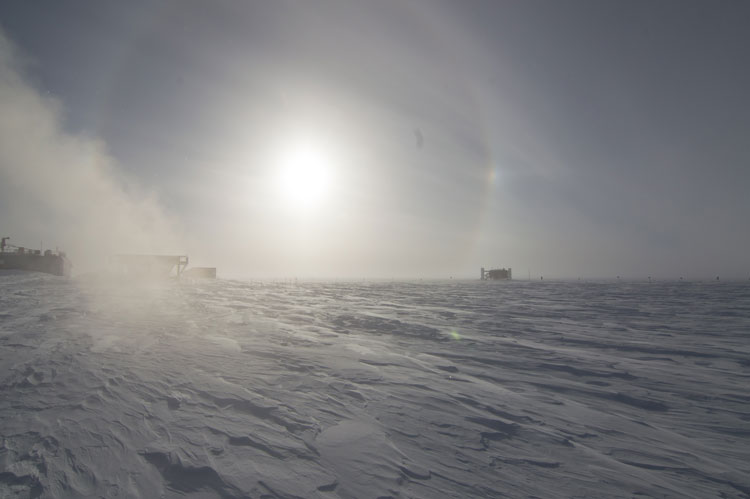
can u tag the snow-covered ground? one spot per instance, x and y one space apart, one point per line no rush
373 389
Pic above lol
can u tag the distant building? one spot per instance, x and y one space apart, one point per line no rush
20 258
200 273
149 266
158 266
497 274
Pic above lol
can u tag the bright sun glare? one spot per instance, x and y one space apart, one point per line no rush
304 175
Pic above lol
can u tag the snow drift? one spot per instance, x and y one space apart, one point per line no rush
446 389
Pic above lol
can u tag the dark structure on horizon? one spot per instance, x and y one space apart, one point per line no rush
149 266
497 274
21 258
158 267
200 273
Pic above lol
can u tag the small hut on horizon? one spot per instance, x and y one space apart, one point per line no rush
497 274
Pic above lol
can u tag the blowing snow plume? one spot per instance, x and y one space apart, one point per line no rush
63 188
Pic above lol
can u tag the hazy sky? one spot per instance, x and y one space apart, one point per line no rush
384 138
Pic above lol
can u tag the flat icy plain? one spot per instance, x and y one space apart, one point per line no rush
373 389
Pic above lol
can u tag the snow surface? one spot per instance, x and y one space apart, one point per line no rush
445 389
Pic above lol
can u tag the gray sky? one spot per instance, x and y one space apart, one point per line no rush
571 139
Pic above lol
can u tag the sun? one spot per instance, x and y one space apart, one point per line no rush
304 175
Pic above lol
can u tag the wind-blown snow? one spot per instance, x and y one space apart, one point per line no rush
450 389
